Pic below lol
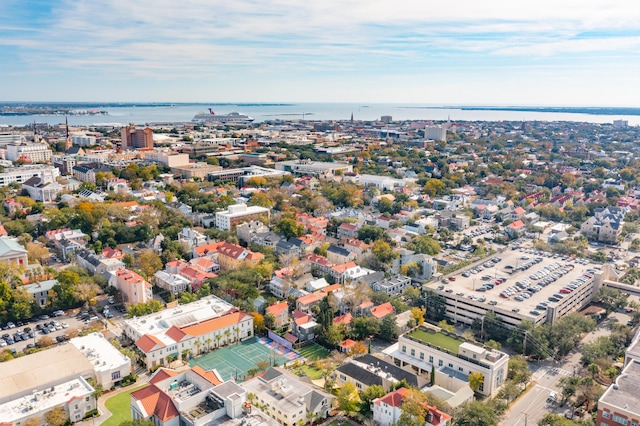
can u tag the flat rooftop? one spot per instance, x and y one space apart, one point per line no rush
44 400
624 392
100 352
41 369
183 315
465 288
437 339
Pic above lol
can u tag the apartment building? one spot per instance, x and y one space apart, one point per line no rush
133 287
233 256
368 370
605 225
82 139
194 397
393 286
228 220
286 398
31 153
427 349
136 139
23 174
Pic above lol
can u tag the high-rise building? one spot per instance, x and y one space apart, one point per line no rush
29 152
140 139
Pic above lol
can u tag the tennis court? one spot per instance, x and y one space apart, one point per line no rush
234 361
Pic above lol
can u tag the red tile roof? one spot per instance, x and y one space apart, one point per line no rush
383 310
277 309
148 343
161 374
209 375
156 402
343 319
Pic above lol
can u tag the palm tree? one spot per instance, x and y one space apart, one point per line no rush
208 342
227 333
311 416
594 369
198 345
218 337
237 330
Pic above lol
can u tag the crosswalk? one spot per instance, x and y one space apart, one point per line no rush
551 371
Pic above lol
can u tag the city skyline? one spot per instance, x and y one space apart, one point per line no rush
496 53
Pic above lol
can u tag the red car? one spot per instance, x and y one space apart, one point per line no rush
452 278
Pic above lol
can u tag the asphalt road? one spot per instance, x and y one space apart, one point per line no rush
532 406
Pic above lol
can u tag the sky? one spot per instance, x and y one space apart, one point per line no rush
432 52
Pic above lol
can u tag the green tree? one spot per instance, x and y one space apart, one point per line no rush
611 299
289 227
365 327
55 417
446 326
518 370
383 251
348 398
476 379
367 397
388 328
475 413
149 263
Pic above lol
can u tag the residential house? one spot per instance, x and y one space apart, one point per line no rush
280 312
67 241
233 256
173 283
393 286
287 398
368 370
605 225
12 252
515 229
133 287
358 247
456 220
246 231
303 326
339 255
97 264
514 213
192 237
388 409
347 230
40 291
281 282
382 311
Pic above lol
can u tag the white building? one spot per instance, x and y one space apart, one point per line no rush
381 182
423 350
196 326
173 283
34 152
436 133
192 237
388 409
314 168
167 158
110 365
24 173
287 398
10 138
236 214
82 139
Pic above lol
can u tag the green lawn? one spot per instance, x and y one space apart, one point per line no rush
314 352
119 406
440 340
311 372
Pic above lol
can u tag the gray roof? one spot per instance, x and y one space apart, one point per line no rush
624 392
8 245
338 250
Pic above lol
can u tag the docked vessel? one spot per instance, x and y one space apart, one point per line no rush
212 117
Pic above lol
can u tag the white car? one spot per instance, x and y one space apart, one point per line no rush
64 325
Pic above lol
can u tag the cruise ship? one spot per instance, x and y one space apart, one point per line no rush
212 117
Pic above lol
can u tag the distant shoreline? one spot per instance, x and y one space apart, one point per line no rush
566 110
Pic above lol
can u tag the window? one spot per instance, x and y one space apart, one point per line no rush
413 352
460 369
481 387
606 414
619 419
87 399
115 375
450 365
430 359
439 363
634 423
404 349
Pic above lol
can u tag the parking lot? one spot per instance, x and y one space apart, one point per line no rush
523 283
20 335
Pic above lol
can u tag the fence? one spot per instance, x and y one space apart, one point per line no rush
280 340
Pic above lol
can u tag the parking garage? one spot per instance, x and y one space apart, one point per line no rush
519 284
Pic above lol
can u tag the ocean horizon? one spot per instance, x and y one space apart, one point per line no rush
166 112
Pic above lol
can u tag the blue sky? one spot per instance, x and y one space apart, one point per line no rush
562 52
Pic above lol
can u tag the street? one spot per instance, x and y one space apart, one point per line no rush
532 406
